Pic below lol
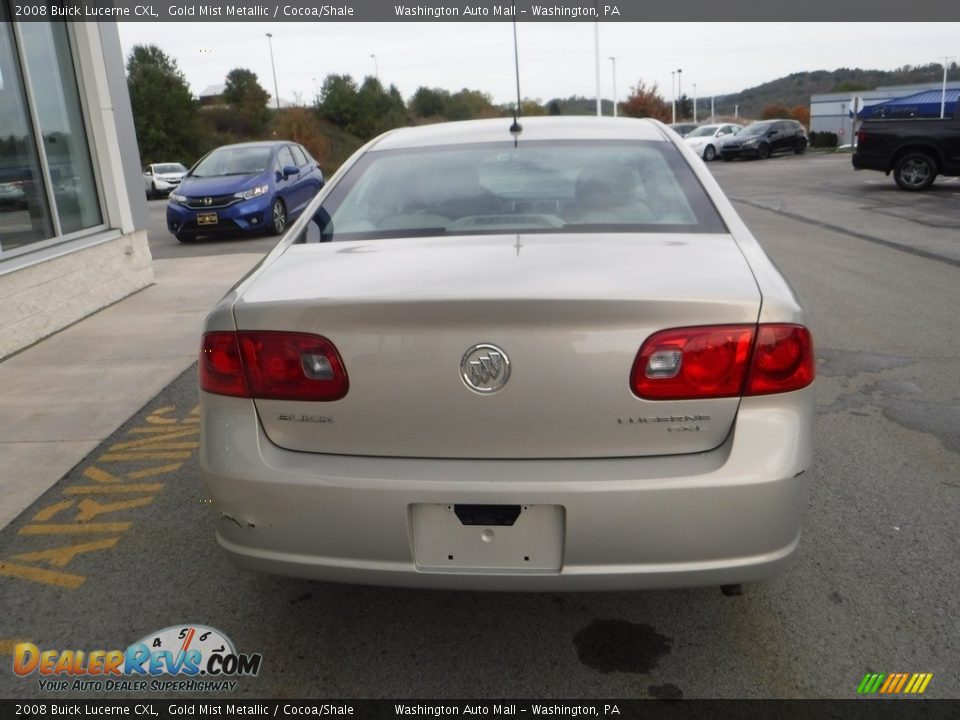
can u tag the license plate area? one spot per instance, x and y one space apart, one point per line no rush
207 218
482 538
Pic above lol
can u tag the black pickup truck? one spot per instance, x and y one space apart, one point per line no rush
916 150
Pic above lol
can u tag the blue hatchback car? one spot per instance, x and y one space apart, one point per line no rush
248 187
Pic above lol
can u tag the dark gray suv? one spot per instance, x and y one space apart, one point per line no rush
764 138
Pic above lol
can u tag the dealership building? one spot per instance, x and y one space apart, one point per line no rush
73 215
833 112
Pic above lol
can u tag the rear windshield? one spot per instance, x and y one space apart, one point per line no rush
495 188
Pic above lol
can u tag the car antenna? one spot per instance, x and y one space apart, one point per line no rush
516 128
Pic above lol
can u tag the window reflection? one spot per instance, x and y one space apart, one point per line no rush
59 114
24 211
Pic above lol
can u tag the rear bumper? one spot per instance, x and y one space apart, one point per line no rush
870 163
738 152
730 515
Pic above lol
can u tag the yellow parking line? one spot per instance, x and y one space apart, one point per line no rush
158 441
61 556
112 489
150 472
74 529
100 476
127 457
48 512
39 575
89 509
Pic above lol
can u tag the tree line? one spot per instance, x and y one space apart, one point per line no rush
172 125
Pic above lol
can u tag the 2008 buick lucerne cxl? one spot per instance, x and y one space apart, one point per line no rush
548 360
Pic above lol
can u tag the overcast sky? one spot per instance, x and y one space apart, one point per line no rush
556 59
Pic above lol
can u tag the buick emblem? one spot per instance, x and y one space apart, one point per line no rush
485 368
208 201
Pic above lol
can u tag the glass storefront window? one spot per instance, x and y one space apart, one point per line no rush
47 184
50 66
24 210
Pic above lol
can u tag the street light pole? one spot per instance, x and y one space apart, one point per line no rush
680 88
673 93
694 102
276 92
376 67
613 61
596 62
943 90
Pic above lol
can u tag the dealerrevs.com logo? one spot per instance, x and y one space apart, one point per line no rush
186 658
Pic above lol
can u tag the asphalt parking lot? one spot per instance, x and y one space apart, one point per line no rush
123 545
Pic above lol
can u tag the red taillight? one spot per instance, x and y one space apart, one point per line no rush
221 371
692 363
272 366
782 360
861 136
723 361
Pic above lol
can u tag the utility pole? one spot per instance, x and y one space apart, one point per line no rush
276 93
596 61
680 87
943 91
673 92
694 102
613 61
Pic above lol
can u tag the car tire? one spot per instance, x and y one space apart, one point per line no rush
278 217
152 192
763 151
914 171
709 153
801 147
184 237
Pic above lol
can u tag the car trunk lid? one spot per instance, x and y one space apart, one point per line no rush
568 313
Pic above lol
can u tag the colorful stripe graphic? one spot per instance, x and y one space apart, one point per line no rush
894 683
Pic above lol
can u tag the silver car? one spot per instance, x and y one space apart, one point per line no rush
548 360
707 140
160 179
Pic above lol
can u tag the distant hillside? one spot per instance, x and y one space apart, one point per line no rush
576 105
789 91
797 88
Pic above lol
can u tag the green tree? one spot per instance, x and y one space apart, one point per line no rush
848 87
165 115
378 110
529 107
469 105
249 100
429 102
339 100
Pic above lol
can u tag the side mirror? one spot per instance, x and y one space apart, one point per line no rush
289 170
148 171
771 133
